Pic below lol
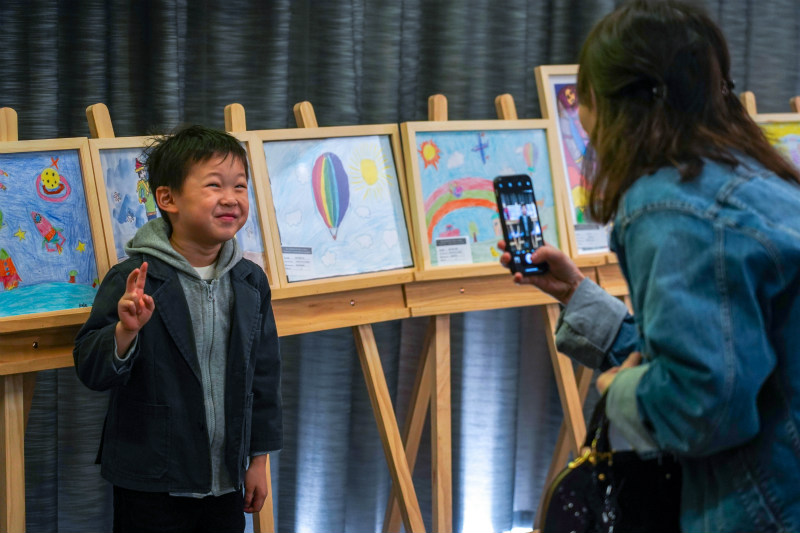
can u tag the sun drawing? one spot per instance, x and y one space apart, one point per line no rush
430 154
369 171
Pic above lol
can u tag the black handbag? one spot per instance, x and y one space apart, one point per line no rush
613 492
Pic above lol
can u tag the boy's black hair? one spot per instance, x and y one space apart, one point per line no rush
170 158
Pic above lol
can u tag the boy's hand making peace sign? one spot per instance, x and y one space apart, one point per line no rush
134 308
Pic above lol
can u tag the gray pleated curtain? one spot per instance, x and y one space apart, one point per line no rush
157 64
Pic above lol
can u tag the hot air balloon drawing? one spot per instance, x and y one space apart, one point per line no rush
331 188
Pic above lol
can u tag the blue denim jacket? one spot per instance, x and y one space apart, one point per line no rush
713 267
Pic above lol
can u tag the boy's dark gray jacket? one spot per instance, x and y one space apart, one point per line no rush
155 437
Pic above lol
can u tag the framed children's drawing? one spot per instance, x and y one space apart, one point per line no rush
783 132
52 251
452 165
127 203
339 203
558 97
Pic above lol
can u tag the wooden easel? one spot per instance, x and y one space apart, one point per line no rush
439 298
357 308
748 100
609 277
23 352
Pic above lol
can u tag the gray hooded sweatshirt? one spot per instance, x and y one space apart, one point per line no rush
210 305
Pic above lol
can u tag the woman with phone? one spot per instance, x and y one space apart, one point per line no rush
707 231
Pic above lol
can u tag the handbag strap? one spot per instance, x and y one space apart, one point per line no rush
597 432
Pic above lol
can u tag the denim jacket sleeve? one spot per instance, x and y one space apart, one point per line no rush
595 328
694 279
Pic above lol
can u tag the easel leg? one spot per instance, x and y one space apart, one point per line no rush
387 427
28 388
567 387
264 520
414 423
12 454
441 430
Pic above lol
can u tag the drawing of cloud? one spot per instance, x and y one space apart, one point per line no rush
455 160
507 171
363 211
302 173
390 238
294 218
365 241
329 259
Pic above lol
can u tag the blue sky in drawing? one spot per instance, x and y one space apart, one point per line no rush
58 248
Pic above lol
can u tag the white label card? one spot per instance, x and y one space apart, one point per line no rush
453 251
298 261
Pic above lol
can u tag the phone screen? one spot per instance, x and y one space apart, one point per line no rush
519 216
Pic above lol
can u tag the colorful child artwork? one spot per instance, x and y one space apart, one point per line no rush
338 206
47 255
131 202
589 236
785 136
456 170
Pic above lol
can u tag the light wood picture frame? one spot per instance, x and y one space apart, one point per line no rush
52 249
126 202
338 201
451 166
558 99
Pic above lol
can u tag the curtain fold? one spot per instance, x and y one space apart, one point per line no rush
161 63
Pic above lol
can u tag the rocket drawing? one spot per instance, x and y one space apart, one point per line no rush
53 239
8 272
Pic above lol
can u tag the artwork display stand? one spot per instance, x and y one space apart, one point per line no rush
573 383
440 298
357 308
748 100
26 346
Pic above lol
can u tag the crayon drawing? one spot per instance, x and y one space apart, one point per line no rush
47 254
456 171
131 203
589 235
785 136
338 206
558 95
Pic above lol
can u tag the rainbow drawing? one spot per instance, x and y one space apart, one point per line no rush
458 194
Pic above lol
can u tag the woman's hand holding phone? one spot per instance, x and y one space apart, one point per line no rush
559 281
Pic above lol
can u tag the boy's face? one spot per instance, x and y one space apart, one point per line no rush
212 205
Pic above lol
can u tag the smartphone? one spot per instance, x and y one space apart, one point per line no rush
519 218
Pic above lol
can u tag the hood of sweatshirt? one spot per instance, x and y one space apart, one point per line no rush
153 239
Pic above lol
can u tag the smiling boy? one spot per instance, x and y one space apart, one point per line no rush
183 335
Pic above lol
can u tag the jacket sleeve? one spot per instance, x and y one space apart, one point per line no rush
695 281
267 434
595 328
95 347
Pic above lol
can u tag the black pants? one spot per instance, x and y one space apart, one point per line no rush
158 512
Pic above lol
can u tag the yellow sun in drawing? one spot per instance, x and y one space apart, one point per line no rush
369 171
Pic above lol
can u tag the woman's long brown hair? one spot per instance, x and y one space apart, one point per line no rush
657 75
